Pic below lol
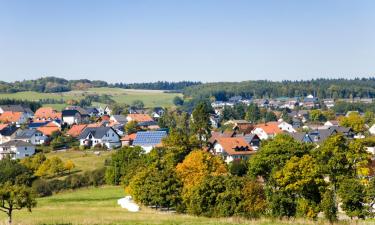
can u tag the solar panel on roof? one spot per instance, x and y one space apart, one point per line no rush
149 138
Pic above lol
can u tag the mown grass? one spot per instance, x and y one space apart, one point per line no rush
150 98
99 206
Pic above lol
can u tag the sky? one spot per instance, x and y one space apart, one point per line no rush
174 40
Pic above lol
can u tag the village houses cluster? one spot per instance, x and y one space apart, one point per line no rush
22 130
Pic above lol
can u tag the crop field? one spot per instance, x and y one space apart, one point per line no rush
150 98
99 206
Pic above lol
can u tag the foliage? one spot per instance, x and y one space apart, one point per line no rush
201 125
131 127
177 101
138 104
352 195
69 165
15 173
354 121
328 206
51 167
15 197
124 164
238 167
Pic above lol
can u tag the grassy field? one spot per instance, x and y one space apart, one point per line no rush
83 160
150 98
99 206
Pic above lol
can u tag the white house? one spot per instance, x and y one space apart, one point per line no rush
331 123
232 148
34 137
267 130
284 126
16 149
372 129
71 116
93 136
7 132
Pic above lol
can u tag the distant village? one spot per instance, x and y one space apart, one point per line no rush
22 131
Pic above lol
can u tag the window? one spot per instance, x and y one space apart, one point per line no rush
26 148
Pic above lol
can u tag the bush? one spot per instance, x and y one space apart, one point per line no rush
42 188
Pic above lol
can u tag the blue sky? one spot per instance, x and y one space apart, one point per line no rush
207 40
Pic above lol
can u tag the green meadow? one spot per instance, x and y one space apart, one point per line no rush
99 206
150 98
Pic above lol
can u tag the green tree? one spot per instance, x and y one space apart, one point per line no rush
252 113
274 154
328 206
201 125
15 197
352 195
131 127
354 121
138 104
317 116
178 101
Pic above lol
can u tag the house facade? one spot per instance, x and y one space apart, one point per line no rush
34 137
95 136
232 148
71 116
16 149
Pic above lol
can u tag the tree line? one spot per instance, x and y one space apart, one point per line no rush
322 88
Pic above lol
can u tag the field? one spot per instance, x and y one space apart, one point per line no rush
98 206
150 98
83 160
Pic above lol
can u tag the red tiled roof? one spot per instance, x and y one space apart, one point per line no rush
46 113
10 117
129 137
76 130
49 129
270 127
233 145
2 126
139 117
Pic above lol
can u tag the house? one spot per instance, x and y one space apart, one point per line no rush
232 148
331 123
147 140
310 101
267 130
17 108
329 102
284 126
47 114
319 136
128 139
99 136
138 117
346 131
71 116
34 137
16 149
85 117
17 118
118 119
7 132
157 113
92 111
50 128
215 120
302 137
371 130
253 140
76 130
241 126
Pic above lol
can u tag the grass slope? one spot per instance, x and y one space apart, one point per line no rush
151 98
98 206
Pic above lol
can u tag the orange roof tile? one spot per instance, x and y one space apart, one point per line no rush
140 117
2 126
10 117
48 131
234 145
76 130
94 125
46 113
270 127
129 137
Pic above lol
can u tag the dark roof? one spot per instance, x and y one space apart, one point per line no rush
23 134
249 137
37 124
81 110
119 118
301 136
322 134
8 131
147 123
92 110
70 112
16 108
97 132
341 129
16 143
149 138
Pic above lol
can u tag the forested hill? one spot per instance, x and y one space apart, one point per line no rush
54 84
322 88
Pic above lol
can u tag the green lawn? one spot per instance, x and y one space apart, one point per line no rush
151 98
83 160
99 206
